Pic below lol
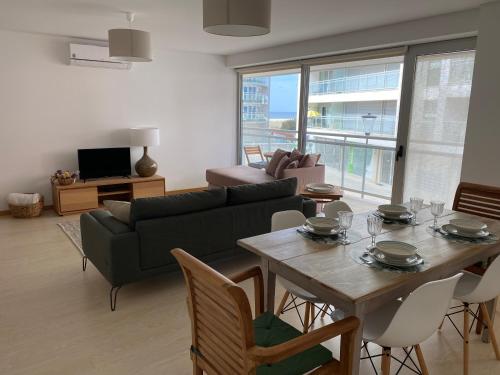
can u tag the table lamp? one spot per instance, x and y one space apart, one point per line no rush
145 137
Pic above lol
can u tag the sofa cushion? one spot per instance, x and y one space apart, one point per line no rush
260 192
119 209
238 175
171 205
269 330
273 163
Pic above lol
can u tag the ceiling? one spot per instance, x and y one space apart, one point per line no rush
177 24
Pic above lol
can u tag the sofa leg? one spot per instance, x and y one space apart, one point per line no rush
84 262
113 292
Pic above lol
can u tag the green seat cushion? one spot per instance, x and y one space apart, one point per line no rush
269 331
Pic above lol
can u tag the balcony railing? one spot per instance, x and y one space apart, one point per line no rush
388 80
385 124
355 162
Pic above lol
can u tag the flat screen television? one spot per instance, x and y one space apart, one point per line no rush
104 162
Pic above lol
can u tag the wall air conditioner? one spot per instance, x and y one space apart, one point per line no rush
95 56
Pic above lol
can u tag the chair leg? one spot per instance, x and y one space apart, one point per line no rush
421 360
325 310
281 306
442 322
306 317
491 329
479 324
196 369
386 361
466 339
313 313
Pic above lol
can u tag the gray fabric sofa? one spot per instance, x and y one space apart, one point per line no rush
206 224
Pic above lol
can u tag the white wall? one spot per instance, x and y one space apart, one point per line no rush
442 27
49 109
481 163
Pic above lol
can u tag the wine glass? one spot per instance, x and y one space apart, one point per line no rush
374 228
415 206
345 222
437 208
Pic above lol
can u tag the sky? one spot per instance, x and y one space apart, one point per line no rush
284 93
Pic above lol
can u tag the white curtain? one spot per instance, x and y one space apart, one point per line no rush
437 126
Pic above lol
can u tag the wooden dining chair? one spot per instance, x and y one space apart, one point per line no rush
226 339
480 200
254 151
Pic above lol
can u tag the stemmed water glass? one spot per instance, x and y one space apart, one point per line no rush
437 208
345 222
374 228
415 206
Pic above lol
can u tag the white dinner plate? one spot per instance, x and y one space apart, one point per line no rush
320 188
310 229
412 261
403 217
392 210
468 225
396 250
453 230
322 224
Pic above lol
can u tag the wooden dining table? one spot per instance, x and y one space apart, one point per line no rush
331 272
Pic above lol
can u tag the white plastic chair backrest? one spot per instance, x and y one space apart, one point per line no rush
287 219
420 314
332 209
489 286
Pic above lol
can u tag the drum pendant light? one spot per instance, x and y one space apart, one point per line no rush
129 44
237 17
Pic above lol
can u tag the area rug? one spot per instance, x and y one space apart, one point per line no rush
72 230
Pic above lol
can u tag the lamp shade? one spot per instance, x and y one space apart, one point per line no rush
129 45
144 137
237 17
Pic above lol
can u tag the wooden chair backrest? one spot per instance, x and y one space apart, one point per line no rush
481 200
253 150
221 319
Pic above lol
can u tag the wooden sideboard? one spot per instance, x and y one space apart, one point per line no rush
84 196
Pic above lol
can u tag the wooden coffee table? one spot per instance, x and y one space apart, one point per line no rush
335 195
322 198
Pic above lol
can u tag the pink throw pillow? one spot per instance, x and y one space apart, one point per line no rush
293 165
296 155
309 160
285 160
273 163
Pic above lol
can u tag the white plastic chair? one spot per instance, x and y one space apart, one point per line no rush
284 220
407 323
332 209
472 289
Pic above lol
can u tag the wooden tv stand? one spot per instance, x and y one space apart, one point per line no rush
84 196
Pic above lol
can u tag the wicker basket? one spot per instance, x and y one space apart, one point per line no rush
65 180
33 210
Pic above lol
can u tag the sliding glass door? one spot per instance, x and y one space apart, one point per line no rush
436 112
388 124
269 110
352 122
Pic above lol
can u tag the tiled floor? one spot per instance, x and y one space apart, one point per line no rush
55 319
